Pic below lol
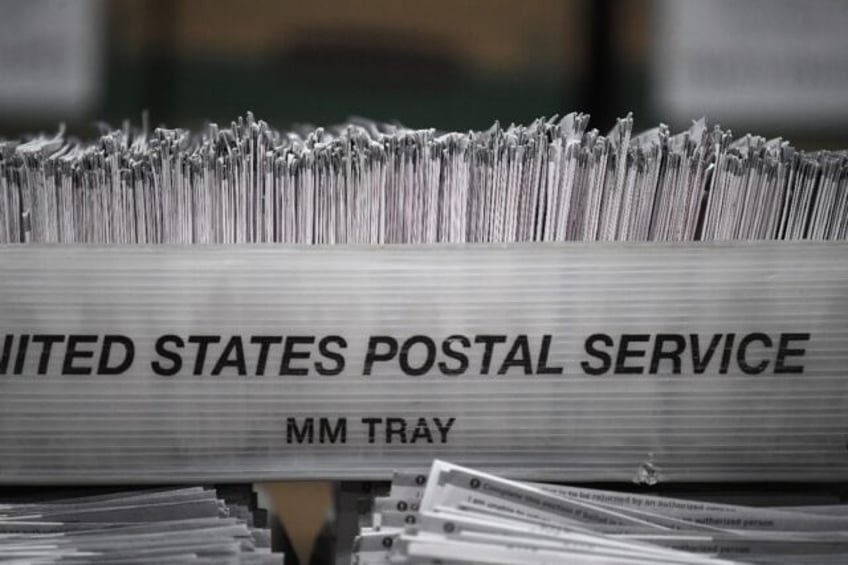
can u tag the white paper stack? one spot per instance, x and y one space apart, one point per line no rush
186 526
371 183
459 515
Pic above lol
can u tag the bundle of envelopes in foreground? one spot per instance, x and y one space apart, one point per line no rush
459 515
163 526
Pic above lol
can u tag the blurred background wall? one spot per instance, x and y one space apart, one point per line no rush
776 67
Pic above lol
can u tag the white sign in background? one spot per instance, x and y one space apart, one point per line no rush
755 63
561 361
51 57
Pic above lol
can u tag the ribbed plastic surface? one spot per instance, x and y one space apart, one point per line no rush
137 425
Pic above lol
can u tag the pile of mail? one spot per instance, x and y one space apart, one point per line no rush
372 183
167 526
458 515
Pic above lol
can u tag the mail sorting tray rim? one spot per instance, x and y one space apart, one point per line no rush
506 271
610 452
759 409
180 418
403 320
471 397
406 253
830 437
812 418
472 425
827 323
266 263
401 460
57 440
148 407
716 461
449 265
611 445
396 377
386 304
133 300
718 465
548 473
743 245
504 275
547 266
247 450
495 458
169 435
497 278
383 299
335 474
415 462
398 460
50 277
512 409
466 401
400 248
719 461
410 256
476 427
570 338
440 315
569 386
832 443
492 381
829 442
482 423
420 458
592 286
702 291
530 279
522 382
506 319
